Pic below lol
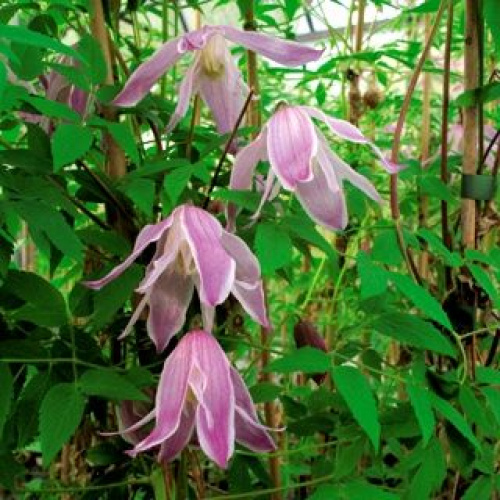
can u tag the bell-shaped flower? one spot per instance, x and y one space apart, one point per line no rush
199 389
302 162
192 250
213 74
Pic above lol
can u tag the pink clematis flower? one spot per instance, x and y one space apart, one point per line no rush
192 250
199 388
213 74
302 161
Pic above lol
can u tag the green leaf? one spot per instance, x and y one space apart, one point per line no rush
109 385
455 418
474 409
480 489
357 394
273 247
53 109
3 78
305 360
175 183
492 395
264 391
361 490
47 220
45 306
435 188
93 59
373 278
480 95
490 12
484 280
421 402
422 299
142 193
123 136
485 375
413 331
25 36
60 414
6 393
69 143
114 295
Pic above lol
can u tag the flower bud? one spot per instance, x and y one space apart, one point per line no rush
306 334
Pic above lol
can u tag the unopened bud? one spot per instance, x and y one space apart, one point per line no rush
306 334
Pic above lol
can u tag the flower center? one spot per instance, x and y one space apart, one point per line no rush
213 56
184 262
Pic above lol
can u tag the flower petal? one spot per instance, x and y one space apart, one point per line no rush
211 383
247 265
251 297
187 88
215 267
170 397
344 171
291 145
281 51
322 198
169 299
171 447
249 431
145 76
149 234
348 131
225 96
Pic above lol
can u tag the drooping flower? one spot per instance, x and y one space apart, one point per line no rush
192 250
199 388
302 162
213 74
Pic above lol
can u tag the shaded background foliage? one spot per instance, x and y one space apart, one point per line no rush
404 401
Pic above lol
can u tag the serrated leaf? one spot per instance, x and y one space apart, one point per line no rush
485 282
305 360
109 385
69 143
480 489
373 278
93 59
60 414
420 400
413 331
273 247
492 395
486 375
142 193
358 395
6 393
455 418
264 391
422 299
123 136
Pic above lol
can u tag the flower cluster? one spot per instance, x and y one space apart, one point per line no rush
199 389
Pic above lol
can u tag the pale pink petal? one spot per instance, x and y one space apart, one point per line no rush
281 51
135 316
211 383
291 145
247 265
144 77
78 100
322 198
207 317
171 447
249 431
243 170
269 187
251 297
187 88
215 267
133 427
224 96
169 299
170 397
149 234
348 131
344 171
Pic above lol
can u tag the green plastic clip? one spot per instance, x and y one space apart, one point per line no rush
478 187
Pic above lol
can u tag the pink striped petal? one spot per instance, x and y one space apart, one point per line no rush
170 397
224 95
144 77
251 297
247 265
322 198
291 145
187 88
348 131
344 171
215 267
249 431
172 446
281 51
169 299
149 234
212 386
